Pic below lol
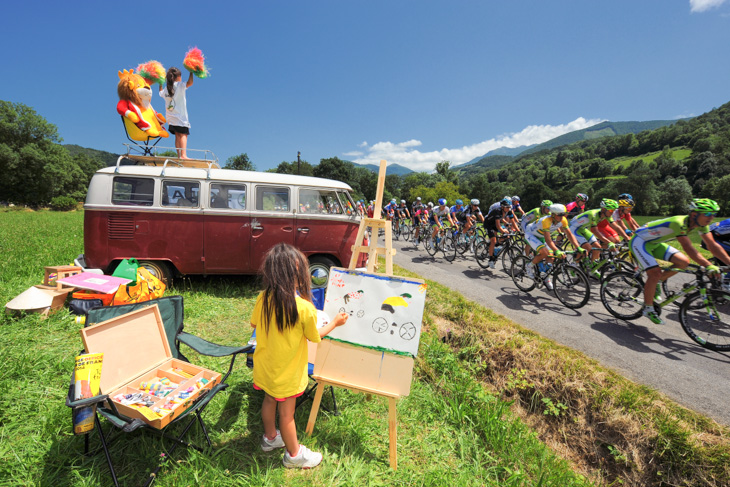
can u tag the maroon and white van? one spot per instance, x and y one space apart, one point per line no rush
206 220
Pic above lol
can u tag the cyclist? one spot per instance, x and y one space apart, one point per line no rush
538 237
371 209
516 206
493 225
420 218
472 213
648 245
622 217
456 211
721 233
535 214
585 228
441 211
402 211
578 206
389 209
415 203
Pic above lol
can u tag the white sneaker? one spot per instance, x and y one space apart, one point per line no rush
306 458
268 445
530 273
491 264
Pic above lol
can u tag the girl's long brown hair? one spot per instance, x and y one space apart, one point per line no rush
172 73
285 271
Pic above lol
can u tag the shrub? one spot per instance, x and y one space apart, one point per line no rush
63 203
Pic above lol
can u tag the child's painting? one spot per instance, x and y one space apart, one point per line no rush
385 311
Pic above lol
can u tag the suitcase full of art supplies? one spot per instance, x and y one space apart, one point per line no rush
139 374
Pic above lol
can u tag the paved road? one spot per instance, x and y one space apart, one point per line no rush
659 356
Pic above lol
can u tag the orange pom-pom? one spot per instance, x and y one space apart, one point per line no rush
195 63
152 71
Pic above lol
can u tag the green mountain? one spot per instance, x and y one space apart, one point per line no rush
603 129
107 157
484 164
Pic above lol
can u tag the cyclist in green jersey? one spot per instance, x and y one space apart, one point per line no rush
535 214
585 228
648 245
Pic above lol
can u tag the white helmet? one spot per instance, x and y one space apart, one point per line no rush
558 209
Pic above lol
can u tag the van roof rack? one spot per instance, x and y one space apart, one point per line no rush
161 155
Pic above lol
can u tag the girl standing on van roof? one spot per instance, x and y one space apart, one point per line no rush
285 318
176 109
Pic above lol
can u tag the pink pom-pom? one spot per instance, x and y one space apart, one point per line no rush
152 71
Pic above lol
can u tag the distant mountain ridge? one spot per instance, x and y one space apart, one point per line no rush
503 155
390 168
107 157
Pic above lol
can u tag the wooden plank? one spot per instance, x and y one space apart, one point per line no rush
393 433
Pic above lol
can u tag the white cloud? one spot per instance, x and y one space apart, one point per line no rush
355 153
703 5
364 143
403 153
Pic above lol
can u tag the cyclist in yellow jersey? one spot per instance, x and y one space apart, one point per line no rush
538 236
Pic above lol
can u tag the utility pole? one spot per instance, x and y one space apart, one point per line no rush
299 160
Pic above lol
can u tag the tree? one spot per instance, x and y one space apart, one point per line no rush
240 163
442 168
335 168
674 196
305 168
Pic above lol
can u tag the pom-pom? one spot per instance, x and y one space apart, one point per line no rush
152 71
195 63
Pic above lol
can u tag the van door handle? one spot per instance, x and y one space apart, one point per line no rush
303 229
256 226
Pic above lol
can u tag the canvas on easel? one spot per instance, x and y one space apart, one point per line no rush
363 355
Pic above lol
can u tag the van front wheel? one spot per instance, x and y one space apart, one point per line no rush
319 271
158 269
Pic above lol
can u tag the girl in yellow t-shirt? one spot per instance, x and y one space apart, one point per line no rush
285 319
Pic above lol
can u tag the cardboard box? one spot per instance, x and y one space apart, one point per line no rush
136 350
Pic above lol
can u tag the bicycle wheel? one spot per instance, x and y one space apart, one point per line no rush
405 232
508 255
448 247
616 265
706 319
519 276
622 293
396 229
432 245
570 285
481 253
462 241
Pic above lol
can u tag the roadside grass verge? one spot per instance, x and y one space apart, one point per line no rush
450 429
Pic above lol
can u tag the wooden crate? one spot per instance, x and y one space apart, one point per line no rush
136 350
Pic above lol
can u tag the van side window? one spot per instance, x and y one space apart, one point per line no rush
132 191
228 196
272 198
319 201
347 202
180 193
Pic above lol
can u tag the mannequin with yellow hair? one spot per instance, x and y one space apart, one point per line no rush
140 119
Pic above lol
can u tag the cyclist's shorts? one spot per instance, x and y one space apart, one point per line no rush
608 231
491 231
585 236
535 242
646 253
523 225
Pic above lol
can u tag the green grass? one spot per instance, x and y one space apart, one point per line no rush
451 429
679 154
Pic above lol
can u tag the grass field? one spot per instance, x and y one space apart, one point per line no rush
679 154
491 403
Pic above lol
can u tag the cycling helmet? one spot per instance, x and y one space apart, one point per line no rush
402 202
625 196
459 202
506 201
508 197
418 199
546 203
515 198
442 201
393 200
475 202
609 204
626 203
558 209
581 196
704 205
430 205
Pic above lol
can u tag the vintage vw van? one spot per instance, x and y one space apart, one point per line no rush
206 220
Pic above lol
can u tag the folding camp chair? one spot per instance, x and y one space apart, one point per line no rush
172 313
146 148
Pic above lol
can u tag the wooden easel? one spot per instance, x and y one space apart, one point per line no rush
334 350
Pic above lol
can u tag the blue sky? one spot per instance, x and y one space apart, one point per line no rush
413 82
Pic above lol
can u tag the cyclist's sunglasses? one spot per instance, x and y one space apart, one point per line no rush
710 214
559 215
